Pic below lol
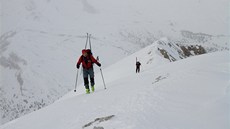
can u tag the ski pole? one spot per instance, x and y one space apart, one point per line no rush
76 81
103 79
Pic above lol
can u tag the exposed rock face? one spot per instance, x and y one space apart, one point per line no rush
174 52
192 50
98 120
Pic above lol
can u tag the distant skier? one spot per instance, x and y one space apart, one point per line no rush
138 64
87 60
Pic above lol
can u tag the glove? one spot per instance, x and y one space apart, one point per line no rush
99 64
78 66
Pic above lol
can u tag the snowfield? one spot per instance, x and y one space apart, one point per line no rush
192 93
41 40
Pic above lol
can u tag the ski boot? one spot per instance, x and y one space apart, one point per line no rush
92 88
87 91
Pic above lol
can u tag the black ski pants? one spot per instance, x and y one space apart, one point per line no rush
88 73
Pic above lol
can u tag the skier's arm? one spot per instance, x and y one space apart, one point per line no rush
95 61
79 62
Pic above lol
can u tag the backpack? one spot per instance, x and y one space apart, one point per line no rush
88 58
89 52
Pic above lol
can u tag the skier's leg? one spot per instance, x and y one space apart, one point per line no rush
91 74
92 84
86 81
92 81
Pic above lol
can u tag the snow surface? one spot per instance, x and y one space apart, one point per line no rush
42 39
188 94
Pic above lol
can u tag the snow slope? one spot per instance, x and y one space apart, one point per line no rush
42 39
190 93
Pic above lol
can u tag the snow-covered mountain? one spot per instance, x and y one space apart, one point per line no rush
190 93
41 41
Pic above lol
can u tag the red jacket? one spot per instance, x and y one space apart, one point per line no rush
87 62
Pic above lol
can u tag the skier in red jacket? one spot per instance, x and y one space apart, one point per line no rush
87 60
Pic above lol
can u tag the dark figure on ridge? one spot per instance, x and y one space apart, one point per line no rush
138 64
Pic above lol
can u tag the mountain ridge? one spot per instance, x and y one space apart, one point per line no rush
41 41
